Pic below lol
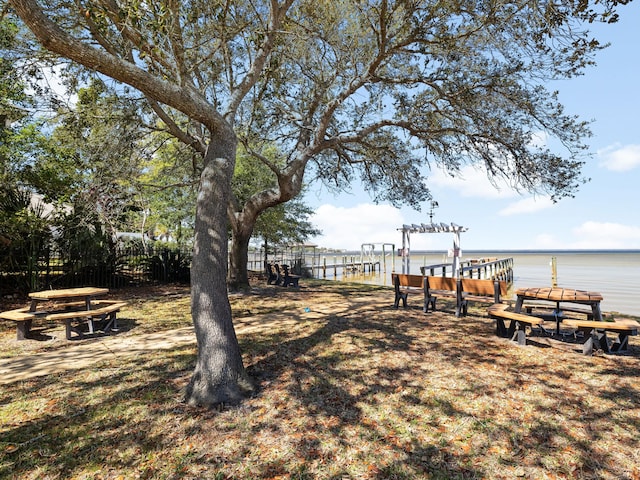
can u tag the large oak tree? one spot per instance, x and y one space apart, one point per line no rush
380 90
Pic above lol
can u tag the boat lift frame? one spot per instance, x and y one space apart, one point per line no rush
407 230
368 249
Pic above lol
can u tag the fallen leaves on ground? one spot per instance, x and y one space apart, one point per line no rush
351 388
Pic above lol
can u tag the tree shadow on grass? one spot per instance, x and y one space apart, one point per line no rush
95 422
335 399
530 428
365 391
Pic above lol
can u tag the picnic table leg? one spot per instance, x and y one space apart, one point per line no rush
512 329
603 340
591 336
597 313
587 346
518 307
622 343
67 328
558 314
501 329
112 324
519 334
90 324
22 329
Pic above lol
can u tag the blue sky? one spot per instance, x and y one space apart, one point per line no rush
603 215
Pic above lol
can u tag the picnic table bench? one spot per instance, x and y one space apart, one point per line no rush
529 307
595 332
518 323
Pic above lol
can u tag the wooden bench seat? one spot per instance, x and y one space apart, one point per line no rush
480 290
463 290
99 308
404 284
103 310
18 314
596 332
23 318
518 322
77 304
437 287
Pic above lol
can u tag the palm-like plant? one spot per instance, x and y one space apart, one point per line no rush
25 235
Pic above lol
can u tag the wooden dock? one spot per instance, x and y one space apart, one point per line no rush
346 266
343 266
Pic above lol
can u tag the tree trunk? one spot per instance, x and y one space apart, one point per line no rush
238 260
219 375
266 251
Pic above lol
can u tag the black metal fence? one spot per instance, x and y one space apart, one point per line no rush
123 267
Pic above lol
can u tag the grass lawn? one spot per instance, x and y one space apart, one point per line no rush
350 389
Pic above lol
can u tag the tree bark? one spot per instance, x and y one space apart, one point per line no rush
219 375
238 278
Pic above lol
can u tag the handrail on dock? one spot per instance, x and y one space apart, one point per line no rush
501 269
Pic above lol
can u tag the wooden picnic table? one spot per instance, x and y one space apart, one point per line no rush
69 304
559 296
86 293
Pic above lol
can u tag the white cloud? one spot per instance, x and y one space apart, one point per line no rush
591 235
349 228
470 182
620 158
606 235
526 205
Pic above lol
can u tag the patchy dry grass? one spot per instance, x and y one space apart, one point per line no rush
350 389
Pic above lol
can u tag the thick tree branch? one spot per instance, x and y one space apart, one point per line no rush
58 41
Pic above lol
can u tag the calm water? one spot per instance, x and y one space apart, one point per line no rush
615 274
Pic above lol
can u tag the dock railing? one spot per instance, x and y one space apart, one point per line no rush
335 266
494 269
